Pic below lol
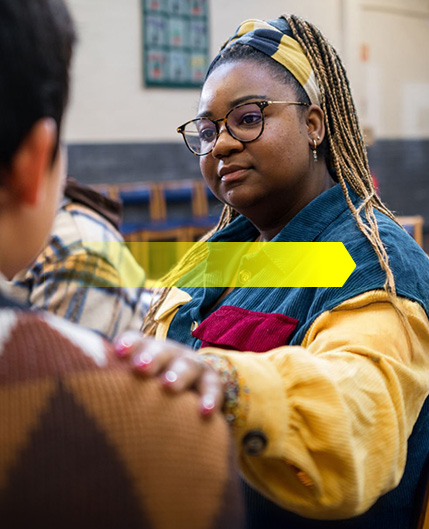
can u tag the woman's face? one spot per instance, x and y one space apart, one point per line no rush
270 179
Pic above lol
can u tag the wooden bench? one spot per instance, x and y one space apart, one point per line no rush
171 211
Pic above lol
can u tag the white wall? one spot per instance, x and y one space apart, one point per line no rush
396 74
110 103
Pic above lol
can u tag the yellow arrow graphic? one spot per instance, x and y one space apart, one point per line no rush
238 264
272 264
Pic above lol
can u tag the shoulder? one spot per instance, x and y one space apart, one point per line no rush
77 230
402 250
39 335
85 224
408 262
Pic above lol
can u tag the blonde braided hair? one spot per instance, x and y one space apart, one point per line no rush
347 155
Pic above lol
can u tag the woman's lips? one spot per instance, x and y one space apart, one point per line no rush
233 174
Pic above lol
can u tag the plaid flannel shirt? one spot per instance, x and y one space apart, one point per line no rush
76 278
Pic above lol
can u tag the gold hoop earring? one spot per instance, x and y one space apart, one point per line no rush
315 151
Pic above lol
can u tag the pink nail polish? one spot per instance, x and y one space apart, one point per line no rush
123 347
143 361
208 405
169 378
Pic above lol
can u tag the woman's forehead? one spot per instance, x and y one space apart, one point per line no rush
235 82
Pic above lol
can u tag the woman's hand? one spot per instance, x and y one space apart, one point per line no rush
178 367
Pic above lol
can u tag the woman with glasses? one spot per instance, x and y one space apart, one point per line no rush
324 387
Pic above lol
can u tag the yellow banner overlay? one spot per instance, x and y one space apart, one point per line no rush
231 264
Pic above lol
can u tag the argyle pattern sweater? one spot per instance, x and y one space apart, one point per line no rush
84 443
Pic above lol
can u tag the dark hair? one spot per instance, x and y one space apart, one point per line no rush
36 43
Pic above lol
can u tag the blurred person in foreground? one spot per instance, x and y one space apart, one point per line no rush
325 388
83 442
86 273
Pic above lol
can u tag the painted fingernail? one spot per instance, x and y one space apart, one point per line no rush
143 361
208 405
169 377
123 347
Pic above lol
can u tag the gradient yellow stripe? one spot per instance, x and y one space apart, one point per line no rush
241 264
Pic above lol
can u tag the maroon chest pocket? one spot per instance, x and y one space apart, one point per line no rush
245 330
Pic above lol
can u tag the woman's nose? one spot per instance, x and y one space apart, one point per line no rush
225 143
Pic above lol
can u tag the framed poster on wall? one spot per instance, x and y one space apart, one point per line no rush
175 42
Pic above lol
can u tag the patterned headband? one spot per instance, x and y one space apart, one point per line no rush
274 38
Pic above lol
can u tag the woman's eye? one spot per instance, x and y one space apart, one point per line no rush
207 135
251 118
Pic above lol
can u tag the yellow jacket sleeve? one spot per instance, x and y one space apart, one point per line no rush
336 411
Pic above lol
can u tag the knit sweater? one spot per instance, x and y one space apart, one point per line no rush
86 444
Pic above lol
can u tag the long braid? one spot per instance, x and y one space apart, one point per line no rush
347 148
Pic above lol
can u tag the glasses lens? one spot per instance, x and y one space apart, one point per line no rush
200 135
245 122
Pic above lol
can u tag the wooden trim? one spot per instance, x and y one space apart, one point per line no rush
416 221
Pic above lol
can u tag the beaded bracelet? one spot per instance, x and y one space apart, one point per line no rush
236 392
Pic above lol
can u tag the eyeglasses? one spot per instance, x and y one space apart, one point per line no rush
244 122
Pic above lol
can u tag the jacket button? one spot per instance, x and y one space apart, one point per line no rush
194 326
254 442
244 276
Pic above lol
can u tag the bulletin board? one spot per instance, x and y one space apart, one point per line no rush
175 42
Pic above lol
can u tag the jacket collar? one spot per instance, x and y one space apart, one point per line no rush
306 226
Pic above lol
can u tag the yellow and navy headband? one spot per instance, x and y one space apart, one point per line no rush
274 38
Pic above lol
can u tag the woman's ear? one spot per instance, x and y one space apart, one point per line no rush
315 125
31 164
